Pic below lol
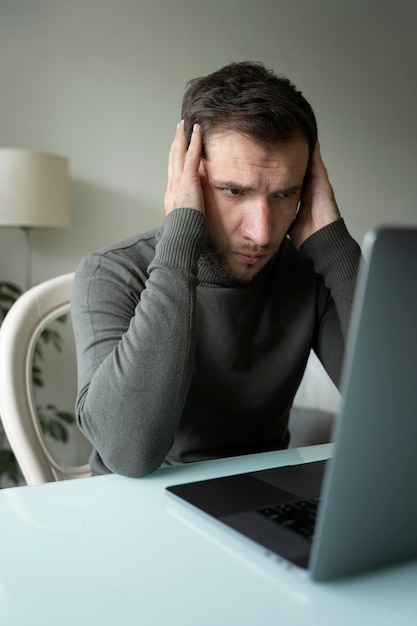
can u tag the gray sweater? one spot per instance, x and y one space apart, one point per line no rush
175 365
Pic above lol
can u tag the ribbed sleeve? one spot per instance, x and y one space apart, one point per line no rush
181 241
335 254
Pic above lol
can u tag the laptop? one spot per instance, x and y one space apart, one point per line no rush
358 510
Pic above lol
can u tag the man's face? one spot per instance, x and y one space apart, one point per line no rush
251 196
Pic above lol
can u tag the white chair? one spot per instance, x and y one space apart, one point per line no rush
19 333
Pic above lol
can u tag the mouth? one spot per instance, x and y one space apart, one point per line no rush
250 259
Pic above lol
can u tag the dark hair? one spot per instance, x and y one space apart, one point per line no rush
250 99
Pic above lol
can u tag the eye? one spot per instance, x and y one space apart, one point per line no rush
230 191
285 194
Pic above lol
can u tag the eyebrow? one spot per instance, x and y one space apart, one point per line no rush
228 184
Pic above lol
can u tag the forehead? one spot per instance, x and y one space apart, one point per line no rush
234 155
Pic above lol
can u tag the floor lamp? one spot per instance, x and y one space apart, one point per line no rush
34 193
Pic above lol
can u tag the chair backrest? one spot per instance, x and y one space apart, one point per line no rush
19 333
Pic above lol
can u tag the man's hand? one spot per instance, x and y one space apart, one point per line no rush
184 187
318 206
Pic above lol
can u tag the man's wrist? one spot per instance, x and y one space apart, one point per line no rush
182 239
334 252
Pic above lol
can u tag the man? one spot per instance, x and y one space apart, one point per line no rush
192 339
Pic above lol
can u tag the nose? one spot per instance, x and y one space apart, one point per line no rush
256 224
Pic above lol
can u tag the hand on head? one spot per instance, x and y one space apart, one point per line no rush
318 207
184 186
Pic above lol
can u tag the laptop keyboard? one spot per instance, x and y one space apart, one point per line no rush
299 515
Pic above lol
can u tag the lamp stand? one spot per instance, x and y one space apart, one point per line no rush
28 256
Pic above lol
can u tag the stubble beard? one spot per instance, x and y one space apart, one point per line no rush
219 260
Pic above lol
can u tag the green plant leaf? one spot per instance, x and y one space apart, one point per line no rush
9 466
9 293
56 430
6 286
8 298
66 416
51 336
37 377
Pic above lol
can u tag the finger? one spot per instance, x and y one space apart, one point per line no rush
177 151
317 164
193 155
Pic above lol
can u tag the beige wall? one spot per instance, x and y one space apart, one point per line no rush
101 81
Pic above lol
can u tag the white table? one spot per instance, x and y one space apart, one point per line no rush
113 551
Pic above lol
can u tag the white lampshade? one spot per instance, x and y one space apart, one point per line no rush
34 189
